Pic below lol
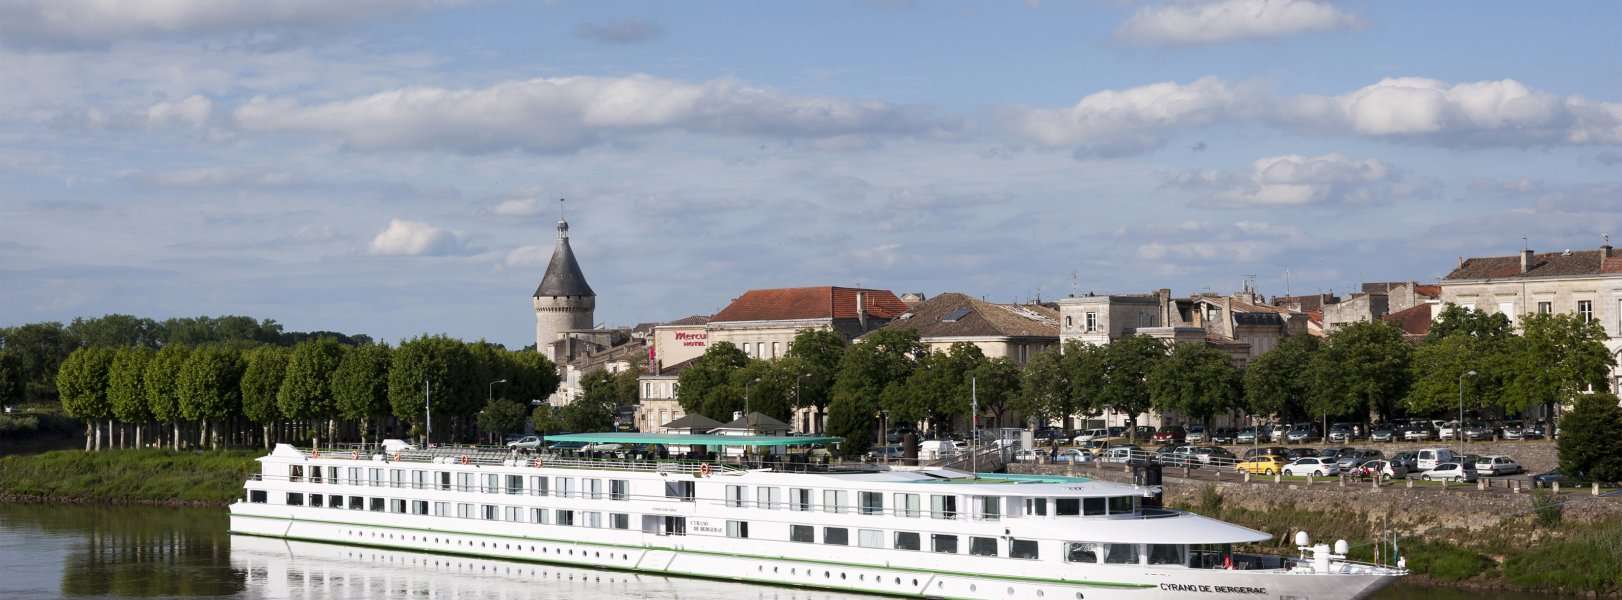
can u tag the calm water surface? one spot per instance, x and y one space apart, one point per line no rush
139 552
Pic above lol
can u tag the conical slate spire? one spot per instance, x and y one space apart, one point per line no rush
563 276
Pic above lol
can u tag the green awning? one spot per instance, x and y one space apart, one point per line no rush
677 439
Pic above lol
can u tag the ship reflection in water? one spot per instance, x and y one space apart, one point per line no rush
278 569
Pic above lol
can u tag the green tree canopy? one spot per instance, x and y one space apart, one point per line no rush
210 384
1436 368
306 391
40 349
446 366
1278 382
261 383
1557 357
360 385
1197 380
116 331
1591 438
1045 388
817 354
1127 363
998 380
163 382
872 373
500 417
82 383
12 378
1458 320
937 391
126 384
706 384
531 376
594 409
1363 365
546 419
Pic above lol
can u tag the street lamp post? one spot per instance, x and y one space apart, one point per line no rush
428 415
1458 428
747 422
490 391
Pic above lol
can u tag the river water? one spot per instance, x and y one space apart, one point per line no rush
49 551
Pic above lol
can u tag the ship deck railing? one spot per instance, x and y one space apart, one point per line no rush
598 460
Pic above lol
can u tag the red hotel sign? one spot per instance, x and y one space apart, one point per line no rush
692 338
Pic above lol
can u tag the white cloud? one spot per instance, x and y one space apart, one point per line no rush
529 256
1483 113
565 114
101 21
192 111
522 207
1295 180
1219 21
1241 241
412 238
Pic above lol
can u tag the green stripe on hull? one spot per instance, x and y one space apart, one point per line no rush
1017 578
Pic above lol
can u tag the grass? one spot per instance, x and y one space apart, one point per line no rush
129 476
1588 560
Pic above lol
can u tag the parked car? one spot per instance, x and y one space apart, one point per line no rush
1534 431
1265 464
1384 468
1477 432
1027 455
1074 456
1176 456
1498 464
1212 455
1222 435
1090 435
1352 459
1145 432
1382 433
1303 432
1408 460
891 452
1312 465
1246 436
528 442
1050 434
1295 453
1195 434
1170 434
1342 432
1512 431
1278 451
1551 477
1448 431
1115 431
1122 454
1418 432
1452 471
1277 432
1428 458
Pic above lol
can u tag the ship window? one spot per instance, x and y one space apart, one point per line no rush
1120 505
464 510
990 507
1081 552
619 489
354 476
442 509
943 543
419 479
674 489
317 500
870 538
397 478
464 482
315 473
907 540
1093 506
564 486
537 515
375 505
295 473
332 474
833 501
566 518
419 507
1121 554
397 505
376 477
620 521
537 486
983 546
736 495
1067 507
801 533
800 498
737 529
1036 506
492 483
594 487
515 484
357 503
295 499
1022 549
513 513
769 497
257 496
907 505
594 520
488 512
943 507
1166 554
872 503
838 536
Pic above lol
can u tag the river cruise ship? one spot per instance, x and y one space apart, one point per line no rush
752 509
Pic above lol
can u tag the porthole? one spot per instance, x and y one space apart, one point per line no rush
973 588
1040 593
898 581
827 575
938 584
774 569
841 575
1079 596
861 578
760 568
1010 591
793 571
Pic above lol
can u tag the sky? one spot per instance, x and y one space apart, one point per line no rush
394 167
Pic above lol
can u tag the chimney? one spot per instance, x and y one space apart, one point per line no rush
1526 260
1164 296
1605 251
861 312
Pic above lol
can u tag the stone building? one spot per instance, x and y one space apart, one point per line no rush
763 322
678 341
563 302
1012 331
1587 283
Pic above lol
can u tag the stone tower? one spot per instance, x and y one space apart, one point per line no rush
563 301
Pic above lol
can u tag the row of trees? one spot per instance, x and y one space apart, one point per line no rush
1358 370
30 354
226 394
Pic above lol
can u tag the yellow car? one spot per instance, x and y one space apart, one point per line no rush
1261 465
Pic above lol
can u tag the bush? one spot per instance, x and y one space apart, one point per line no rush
156 476
1591 439
1588 561
1547 509
10 424
1445 562
1210 501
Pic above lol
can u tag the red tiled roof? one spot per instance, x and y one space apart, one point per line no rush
1551 264
1432 290
825 302
1414 320
978 318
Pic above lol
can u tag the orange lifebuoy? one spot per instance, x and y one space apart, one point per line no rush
354 455
535 463
316 453
464 459
396 457
704 470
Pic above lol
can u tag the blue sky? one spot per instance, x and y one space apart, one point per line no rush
392 166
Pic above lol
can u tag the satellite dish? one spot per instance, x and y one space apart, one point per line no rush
1302 539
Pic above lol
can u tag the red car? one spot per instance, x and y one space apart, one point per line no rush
1172 434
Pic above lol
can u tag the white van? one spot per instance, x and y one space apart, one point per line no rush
1428 458
936 449
1091 435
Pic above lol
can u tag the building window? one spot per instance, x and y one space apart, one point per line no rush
983 546
872 503
619 521
619 489
907 540
838 536
1121 554
943 507
1545 308
870 538
1165 554
1092 322
257 496
737 529
1081 552
799 499
295 499
1069 322
906 505
736 495
833 500
801 533
1025 549
1585 310
943 543
566 518
774 349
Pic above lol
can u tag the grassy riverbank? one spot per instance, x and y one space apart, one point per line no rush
1534 553
128 476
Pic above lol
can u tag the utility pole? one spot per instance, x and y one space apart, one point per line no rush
974 426
428 413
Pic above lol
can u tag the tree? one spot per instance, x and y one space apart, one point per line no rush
763 386
11 378
500 417
1046 387
546 419
360 385
261 385
1558 356
706 384
1197 380
871 374
1458 320
999 382
446 367
126 388
1277 383
210 386
816 354
163 386
1127 363
1591 439
115 331
531 376
1436 366
1087 369
306 391
1363 366
937 391
81 382
40 349
594 409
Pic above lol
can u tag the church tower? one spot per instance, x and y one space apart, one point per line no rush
563 301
